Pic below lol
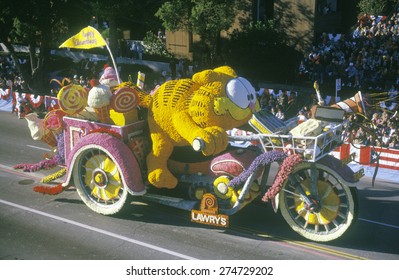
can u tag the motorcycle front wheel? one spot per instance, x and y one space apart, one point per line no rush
321 211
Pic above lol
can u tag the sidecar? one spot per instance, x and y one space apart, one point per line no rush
105 162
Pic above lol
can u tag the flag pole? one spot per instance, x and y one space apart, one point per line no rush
113 62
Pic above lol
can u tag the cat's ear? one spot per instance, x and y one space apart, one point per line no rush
220 74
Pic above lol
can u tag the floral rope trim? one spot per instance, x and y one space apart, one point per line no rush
49 190
284 171
261 160
54 176
104 130
44 164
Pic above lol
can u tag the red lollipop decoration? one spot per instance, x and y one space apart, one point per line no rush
124 100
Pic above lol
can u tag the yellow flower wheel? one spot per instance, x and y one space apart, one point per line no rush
329 200
103 176
99 183
317 202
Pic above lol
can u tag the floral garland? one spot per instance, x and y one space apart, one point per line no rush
49 190
44 164
261 160
284 171
54 176
49 162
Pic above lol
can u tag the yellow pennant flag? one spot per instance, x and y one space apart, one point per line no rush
87 38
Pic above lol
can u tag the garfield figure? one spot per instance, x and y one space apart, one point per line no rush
204 107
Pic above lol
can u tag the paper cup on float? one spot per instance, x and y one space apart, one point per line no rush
140 80
35 125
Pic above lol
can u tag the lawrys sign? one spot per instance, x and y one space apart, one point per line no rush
209 213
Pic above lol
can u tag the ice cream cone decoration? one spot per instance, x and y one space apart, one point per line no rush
99 99
103 114
49 138
109 78
353 105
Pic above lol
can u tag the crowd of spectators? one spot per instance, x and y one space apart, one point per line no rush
380 131
9 76
367 59
279 102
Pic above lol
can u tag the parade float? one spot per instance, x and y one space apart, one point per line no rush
177 146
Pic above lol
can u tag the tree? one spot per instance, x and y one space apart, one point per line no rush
376 7
136 12
207 18
45 24
259 51
34 23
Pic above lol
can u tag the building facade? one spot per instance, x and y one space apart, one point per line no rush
301 20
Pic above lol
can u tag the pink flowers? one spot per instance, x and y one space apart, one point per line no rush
284 171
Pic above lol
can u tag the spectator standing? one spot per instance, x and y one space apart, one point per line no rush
301 117
133 48
351 78
280 114
140 50
172 67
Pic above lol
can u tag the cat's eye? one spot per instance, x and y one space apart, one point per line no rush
241 92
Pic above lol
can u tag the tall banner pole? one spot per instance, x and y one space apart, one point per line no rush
113 62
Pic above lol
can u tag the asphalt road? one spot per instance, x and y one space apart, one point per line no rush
61 227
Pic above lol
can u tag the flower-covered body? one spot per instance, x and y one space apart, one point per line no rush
204 107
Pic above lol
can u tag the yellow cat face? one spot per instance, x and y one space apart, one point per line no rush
240 101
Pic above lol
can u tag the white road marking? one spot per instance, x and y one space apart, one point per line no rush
39 148
379 223
127 239
9 169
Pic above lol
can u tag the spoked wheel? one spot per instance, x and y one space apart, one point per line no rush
98 181
321 211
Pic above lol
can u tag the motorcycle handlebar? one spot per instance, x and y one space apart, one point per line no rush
198 144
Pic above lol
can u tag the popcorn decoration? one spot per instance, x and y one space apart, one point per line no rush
72 99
